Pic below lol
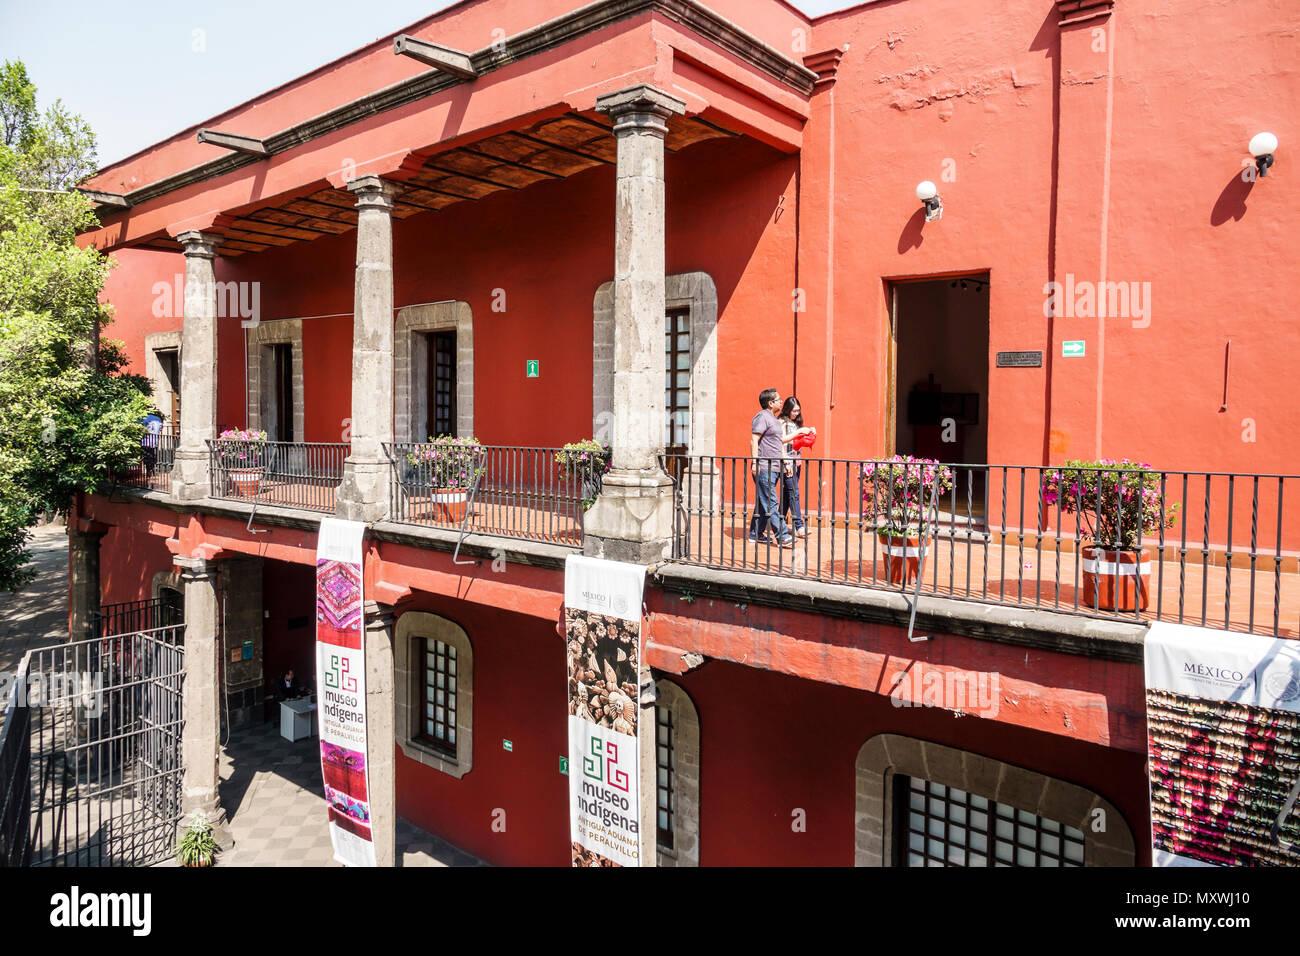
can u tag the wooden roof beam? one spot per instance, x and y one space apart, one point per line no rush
441 58
112 200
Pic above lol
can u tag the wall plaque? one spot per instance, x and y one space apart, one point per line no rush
1020 359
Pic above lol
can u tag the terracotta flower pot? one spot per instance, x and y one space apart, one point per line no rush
1116 580
246 481
450 504
902 557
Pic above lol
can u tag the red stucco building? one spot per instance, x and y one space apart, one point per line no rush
765 167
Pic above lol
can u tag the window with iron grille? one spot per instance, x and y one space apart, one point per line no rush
935 825
665 773
677 380
438 722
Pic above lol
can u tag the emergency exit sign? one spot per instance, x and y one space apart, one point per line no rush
533 368
1072 349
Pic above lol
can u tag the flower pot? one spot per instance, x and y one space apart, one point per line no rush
245 481
1116 580
450 504
902 557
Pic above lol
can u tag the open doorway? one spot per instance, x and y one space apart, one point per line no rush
940 382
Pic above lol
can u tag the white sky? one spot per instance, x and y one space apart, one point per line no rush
132 70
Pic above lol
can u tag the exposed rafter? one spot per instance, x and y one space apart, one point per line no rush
455 62
105 199
240 144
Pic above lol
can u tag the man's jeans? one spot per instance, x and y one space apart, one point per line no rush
767 508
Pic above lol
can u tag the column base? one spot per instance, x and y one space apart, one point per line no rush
363 495
632 520
191 475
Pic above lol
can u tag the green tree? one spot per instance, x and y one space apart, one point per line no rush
66 422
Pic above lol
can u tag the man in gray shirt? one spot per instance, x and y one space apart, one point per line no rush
767 454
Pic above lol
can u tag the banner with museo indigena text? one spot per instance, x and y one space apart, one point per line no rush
1223 747
602 620
341 689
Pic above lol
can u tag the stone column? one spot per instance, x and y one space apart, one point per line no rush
201 701
190 478
363 496
83 581
381 743
632 519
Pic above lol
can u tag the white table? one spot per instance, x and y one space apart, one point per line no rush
297 719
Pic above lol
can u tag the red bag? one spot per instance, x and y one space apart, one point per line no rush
800 442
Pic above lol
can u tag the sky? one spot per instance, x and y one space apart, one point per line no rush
144 70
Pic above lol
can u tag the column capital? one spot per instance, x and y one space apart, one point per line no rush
378 617
200 245
193 568
640 108
373 192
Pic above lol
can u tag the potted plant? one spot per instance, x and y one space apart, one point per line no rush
447 468
1119 503
242 456
588 461
197 847
897 491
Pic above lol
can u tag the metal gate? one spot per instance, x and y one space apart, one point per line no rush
91 749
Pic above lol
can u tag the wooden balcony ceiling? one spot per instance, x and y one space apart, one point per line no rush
555 148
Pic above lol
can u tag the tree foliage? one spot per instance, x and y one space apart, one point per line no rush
65 422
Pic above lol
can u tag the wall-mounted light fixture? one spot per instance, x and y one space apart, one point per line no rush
1262 147
929 195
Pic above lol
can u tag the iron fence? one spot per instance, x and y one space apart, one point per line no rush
1207 548
511 491
92 772
144 615
287 474
152 471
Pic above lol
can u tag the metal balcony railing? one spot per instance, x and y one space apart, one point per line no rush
510 491
285 474
152 471
1204 548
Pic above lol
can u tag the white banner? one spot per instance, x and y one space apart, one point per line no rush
341 689
602 614
1223 747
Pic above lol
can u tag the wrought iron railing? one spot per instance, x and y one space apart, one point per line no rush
152 471
129 616
514 492
16 775
286 474
1206 548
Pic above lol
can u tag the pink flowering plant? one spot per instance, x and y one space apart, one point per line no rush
587 460
242 448
897 491
448 462
1116 501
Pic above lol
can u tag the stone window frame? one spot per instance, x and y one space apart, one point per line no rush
153 370
409 628
277 332
693 290
410 377
686 752
166 579
884 756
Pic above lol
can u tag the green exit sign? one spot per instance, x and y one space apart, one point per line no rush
1072 349
533 368
508 745
564 766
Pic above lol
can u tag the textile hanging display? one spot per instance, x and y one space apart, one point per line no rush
1223 747
341 680
602 619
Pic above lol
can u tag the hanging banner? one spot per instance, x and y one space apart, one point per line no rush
602 619
341 689
1223 747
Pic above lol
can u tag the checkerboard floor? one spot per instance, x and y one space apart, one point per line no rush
272 792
